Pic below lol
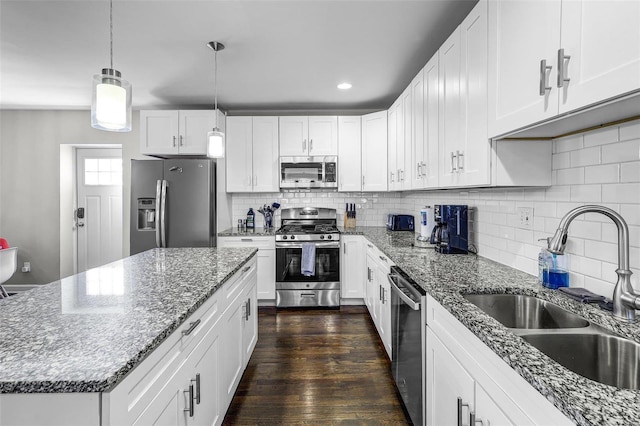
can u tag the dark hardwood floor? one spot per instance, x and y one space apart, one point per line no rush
316 367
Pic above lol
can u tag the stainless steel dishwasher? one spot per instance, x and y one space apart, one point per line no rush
408 336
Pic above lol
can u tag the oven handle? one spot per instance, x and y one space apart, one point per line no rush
335 244
406 299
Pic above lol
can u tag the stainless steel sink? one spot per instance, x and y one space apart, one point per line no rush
520 311
604 358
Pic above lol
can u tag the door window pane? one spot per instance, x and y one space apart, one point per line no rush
103 171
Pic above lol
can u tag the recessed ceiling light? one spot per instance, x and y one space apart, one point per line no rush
344 86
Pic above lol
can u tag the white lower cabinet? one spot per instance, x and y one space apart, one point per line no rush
467 381
378 293
266 246
351 272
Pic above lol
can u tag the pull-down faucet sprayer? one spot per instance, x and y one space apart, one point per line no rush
625 300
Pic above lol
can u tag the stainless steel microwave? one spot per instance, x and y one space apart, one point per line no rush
309 172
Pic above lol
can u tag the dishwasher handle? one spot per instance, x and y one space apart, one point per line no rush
406 299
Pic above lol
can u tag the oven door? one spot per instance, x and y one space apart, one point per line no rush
289 263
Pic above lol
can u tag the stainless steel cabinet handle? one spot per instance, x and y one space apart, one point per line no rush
310 145
192 326
424 168
384 296
158 218
453 157
246 240
362 180
459 155
473 419
255 180
543 77
562 78
380 292
370 246
304 145
460 405
181 140
246 269
308 295
344 248
392 175
384 259
163 214
247 310
174 141
418 170
80 224
368 274
191 407
197 381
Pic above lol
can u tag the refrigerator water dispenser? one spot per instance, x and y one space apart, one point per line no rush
146 214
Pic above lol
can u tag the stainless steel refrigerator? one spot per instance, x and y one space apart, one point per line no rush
173 204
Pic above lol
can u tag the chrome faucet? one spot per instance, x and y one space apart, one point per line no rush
625 301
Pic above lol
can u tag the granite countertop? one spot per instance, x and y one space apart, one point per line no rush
257 232
445 277
84 333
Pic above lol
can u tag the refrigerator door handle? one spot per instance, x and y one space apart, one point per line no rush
163 214
158 220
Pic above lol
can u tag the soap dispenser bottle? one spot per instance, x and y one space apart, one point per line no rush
251 216
556 272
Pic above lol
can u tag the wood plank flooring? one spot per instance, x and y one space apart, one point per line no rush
317 367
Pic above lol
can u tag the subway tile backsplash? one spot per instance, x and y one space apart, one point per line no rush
598 167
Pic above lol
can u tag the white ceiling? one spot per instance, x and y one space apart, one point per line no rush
280 55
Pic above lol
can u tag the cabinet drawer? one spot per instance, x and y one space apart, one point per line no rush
262 243
235 286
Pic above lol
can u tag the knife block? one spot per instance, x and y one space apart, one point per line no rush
349 222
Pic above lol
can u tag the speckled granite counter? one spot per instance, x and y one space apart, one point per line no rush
86 332
257 232
446 277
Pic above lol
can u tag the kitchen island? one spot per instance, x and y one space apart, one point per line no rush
447 277
85 335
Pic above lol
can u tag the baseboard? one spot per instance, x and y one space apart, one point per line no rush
351 302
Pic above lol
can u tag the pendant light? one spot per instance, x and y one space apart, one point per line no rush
111 97
215 137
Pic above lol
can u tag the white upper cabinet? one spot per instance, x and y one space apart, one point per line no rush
601 51
523 41
417 123
392 140
374 149
464 147
405 150
308 136
552 57
176 132
396 147
429 168
252 154
349 154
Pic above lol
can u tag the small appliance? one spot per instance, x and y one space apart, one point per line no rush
309 172
451 232
400 222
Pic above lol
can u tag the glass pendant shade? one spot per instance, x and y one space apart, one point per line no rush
215 144
111 102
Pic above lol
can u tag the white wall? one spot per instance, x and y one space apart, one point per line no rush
30 146
598 167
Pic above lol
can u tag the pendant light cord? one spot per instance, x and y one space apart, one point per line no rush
215 83
111 31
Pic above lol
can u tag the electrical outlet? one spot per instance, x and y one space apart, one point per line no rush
26 267
526 217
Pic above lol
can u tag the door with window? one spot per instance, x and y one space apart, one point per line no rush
98 215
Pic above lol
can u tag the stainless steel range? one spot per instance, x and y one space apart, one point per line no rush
308 258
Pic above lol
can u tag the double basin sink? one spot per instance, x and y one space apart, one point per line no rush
572 341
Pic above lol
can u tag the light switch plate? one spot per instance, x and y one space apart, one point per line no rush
526 217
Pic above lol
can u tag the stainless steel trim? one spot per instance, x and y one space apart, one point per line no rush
561 68
307 298
158 218
406 299
192 326
163 214
191 407
307 286
197 380
332 244
543 77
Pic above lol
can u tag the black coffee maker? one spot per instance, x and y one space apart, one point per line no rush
451 232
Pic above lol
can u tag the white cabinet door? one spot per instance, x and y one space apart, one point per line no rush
205 373
294 136
239 153
349 154
374 150
232 357
602 39
392 140
418 135
159 132
431 99
521 35
265 155
450 129
447 380
194 126
405 159
488 411
473 161
323 135
266 274
250 323
385 309
353 267
166 409
371 290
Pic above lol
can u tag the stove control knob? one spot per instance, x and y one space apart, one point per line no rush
322 237
284 237
329 237
293 237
